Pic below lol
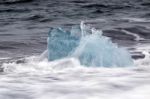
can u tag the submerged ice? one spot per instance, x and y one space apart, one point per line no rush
88 45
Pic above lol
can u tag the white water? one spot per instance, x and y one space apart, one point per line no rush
67 79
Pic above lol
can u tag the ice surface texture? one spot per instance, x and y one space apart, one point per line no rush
88 45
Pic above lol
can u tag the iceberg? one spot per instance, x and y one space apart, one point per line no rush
88 45
61 43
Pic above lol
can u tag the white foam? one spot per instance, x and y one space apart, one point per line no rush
67 79
144 49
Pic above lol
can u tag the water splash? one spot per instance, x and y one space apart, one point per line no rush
88 45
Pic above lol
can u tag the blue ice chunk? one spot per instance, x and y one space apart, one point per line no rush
60 43
97 50
88 45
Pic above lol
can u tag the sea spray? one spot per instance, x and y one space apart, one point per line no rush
88 45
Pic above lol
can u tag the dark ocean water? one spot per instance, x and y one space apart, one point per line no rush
24 26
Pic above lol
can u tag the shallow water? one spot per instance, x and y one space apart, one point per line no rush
24 29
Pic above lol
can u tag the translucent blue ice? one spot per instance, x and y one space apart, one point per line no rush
88 45
61 43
